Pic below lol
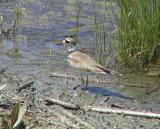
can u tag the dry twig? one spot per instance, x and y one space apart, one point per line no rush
61 75
26 85
3 86
123 111
104 109
64 104
153 89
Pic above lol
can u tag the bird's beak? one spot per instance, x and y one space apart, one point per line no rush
60 43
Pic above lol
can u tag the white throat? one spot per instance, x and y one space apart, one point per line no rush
72 48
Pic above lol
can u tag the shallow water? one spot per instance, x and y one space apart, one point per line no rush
46 23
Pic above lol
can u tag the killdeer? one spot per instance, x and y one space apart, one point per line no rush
82 61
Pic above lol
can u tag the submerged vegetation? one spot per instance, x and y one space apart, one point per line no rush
12 21
139 31
102 28
8 25
138 35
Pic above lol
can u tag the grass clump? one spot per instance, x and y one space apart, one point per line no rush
8 24
102 12
139 31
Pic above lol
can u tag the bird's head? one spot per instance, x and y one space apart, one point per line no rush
69 41
70 44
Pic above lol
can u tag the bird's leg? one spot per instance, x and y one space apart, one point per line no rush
86 81
82 79
97 76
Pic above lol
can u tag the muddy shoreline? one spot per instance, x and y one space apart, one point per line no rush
37 85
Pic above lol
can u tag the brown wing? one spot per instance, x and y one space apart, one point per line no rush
83 61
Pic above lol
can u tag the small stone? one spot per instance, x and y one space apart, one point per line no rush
3 68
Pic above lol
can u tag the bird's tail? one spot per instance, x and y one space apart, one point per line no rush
104 70
109 72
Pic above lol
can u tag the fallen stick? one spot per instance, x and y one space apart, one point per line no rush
2 86
33 63
123 111
64 104
153 89
104 100
104 109
26 85
62 75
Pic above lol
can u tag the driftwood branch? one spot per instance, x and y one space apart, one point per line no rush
26 85
63 104
104 109
3 86
62 75
122 111
154 89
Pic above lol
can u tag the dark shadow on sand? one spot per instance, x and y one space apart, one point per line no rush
104 92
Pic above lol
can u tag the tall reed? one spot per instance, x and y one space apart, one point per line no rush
101 31
138 31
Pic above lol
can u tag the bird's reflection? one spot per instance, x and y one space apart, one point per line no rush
104 92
